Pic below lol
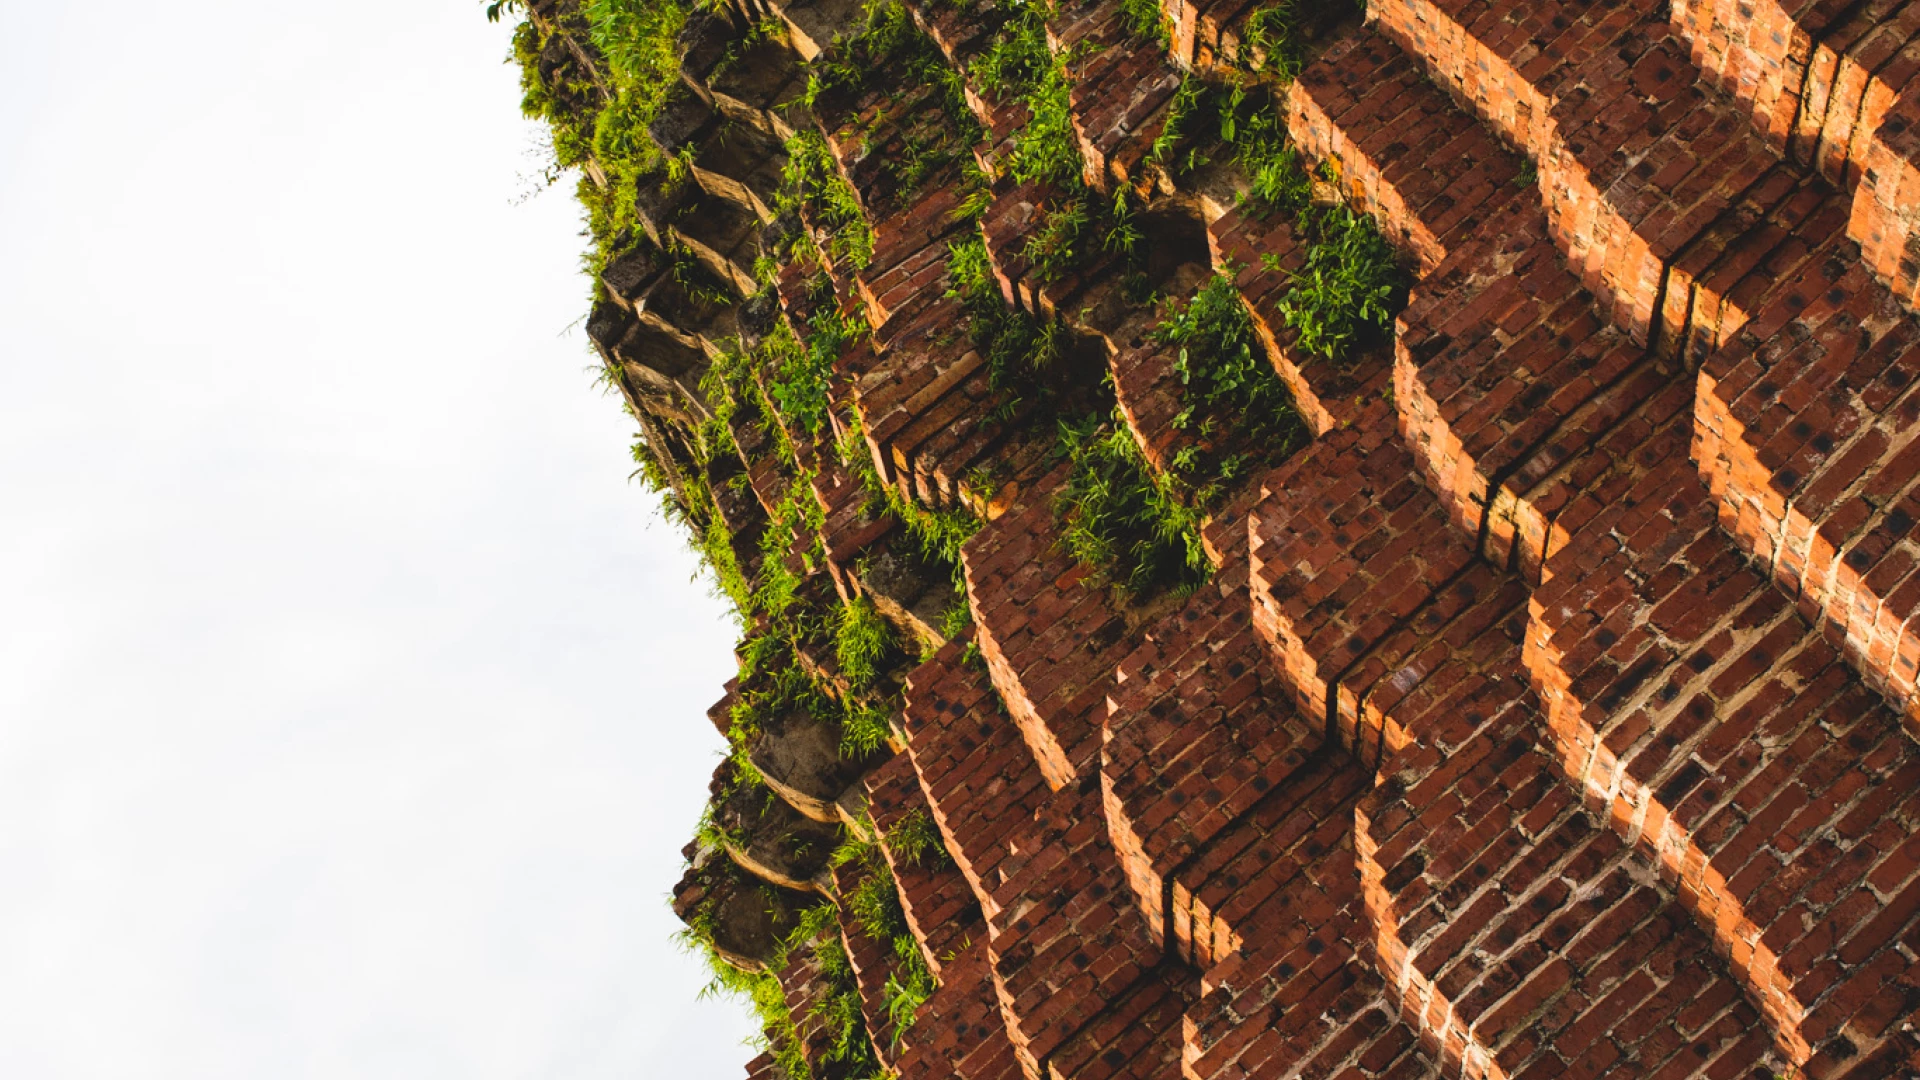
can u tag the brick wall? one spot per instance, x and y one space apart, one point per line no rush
1551 713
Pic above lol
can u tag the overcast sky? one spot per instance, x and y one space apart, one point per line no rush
351 698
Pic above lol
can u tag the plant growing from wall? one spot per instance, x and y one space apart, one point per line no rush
863 642
916 840
814 187
873 904
1123 519
565 98
1019 66
940 533
714 544
1018 57
1146 20
1045 149
1352 284
1350 287
1227 382
838 1008
1274 42
864 729
1019 348
797 374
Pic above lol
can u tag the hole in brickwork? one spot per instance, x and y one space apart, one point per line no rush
1172 249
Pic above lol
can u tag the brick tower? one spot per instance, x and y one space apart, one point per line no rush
1285 539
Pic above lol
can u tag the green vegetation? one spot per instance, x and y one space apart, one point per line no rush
1019 66
1346 294
814 184
599 74
838 1011
792 535
1192 103
1274 43
1352 283
1019 348
692 505
886 36
889 44
715 544
874 906
602 74
565 96
915 840
1147 21
1229 383
638 40
798 373
602 116
1018 58
772 682
862 642
1045 149
864 729
1350 287
1122 518
940 534
710 831
1138 526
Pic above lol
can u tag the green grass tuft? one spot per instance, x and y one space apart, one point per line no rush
1122 519
862 642
814 185
1349 288
1229 384
916 840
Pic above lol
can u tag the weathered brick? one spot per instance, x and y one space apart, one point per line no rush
1638 158
1274 910
1428 172
1816 75
1067 942
1197 731
1050 636
1346 545
979 778
1800 431
1719 732
1503 365
1336 832
1521 938
1139 1036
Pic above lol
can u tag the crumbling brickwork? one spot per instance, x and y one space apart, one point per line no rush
1540 701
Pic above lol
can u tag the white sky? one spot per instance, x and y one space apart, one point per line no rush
351 699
